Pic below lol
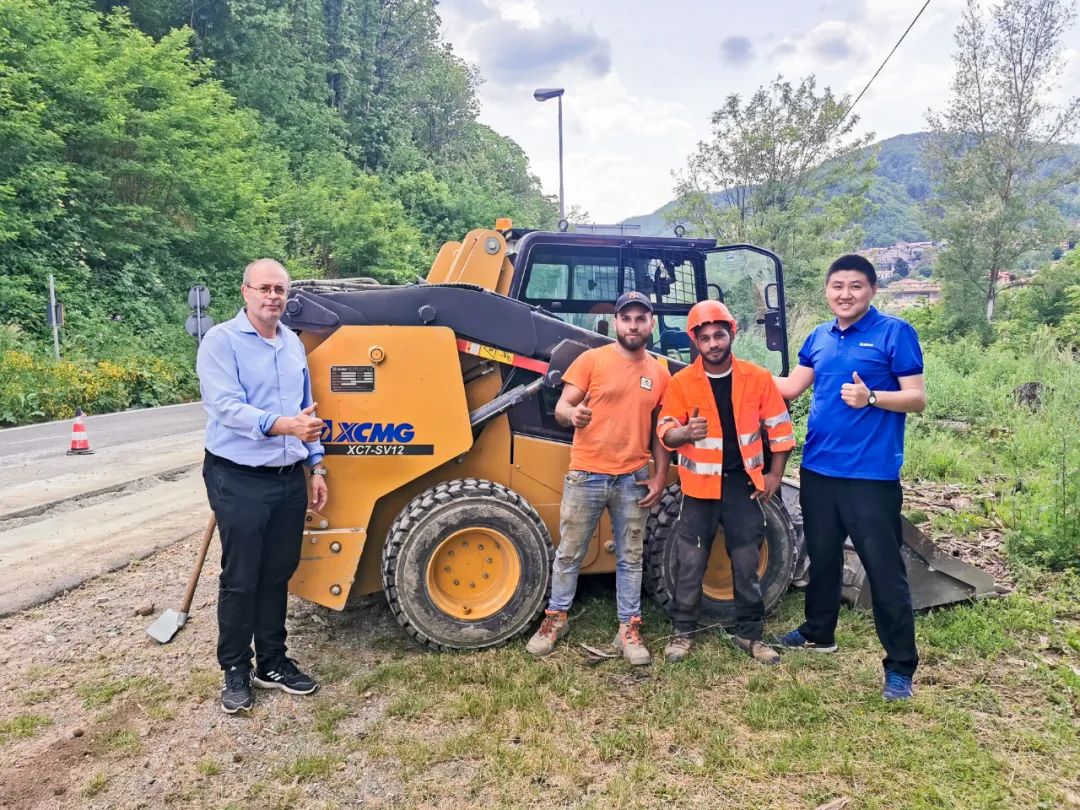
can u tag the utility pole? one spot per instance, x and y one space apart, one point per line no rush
54 317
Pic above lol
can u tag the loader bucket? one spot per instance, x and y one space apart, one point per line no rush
934 578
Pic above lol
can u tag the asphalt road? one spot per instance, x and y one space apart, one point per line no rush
30 442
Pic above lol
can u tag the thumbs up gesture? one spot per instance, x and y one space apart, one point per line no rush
306 426
855 393
581 414
697 427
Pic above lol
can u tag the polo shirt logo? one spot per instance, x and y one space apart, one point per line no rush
867 345
646 383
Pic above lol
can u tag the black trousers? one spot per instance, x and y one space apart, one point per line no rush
260 515
744 532
869 513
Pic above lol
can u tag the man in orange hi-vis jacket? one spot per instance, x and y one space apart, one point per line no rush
713 414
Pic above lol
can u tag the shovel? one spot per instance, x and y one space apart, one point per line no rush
169 623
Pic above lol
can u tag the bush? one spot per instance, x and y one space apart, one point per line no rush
35 387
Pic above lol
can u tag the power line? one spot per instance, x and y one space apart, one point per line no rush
862 92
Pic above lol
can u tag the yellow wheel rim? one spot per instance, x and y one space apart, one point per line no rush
473 573
717 583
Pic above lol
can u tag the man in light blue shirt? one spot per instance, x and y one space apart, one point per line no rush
261 432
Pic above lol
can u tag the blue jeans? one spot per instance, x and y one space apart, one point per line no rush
585 496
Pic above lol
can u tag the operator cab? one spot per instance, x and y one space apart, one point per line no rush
577 277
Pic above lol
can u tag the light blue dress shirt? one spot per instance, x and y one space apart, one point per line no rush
247 382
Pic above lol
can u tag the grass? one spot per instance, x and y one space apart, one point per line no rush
309 767
96 784
22 726
208 767
121 741
991 725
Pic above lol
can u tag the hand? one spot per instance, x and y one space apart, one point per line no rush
305 426
581 414
656 489
318 494
855 394
697 428
772 486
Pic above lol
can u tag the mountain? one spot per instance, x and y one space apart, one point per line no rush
901 184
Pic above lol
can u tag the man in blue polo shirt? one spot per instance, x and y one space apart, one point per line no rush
866 369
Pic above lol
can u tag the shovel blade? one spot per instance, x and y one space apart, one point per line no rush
166 626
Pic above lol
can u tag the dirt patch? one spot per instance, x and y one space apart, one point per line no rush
117 720
959 519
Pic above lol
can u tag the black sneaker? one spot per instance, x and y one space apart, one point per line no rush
236 694
285 676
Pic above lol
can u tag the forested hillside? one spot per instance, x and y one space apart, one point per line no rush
899 191
151 145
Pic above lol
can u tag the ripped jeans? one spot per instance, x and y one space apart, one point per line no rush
585 496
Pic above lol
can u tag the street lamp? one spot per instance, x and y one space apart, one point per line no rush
543 94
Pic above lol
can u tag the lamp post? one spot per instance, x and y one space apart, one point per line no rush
543 94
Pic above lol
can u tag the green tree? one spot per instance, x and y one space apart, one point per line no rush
998 138
902 268
780 171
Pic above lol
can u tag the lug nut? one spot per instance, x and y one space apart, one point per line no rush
489 561
449 554
457 581
472 584
485 575
480 547
335 590
335 547
446 568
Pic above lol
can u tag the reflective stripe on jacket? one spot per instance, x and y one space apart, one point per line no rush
757 404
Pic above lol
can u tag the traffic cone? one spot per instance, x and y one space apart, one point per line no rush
80 444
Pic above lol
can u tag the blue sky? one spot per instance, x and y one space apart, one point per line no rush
642 77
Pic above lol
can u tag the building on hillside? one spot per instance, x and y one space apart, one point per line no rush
909 291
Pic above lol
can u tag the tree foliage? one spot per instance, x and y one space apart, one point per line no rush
779 171
999 139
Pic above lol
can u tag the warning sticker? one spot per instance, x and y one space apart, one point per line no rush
352 379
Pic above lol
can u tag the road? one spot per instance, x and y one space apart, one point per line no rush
64 519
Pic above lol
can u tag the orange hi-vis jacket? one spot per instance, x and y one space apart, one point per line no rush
756 402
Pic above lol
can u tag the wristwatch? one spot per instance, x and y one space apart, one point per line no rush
318 470
873 399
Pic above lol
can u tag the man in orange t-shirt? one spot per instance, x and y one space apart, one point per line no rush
611 396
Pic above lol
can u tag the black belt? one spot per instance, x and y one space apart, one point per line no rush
246 468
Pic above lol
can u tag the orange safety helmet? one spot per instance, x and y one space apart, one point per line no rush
704 312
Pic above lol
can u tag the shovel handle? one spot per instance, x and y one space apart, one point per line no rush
189 594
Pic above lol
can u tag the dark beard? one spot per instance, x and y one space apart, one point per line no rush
723 359
623 341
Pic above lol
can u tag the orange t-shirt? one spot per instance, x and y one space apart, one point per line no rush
623 395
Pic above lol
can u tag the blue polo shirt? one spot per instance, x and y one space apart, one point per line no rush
846 442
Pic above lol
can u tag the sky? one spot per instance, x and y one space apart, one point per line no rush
642 77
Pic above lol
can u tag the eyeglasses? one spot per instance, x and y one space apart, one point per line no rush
266 289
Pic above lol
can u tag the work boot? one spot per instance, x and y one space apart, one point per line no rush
236 694
628 639
758 650
555 625
285 676
678 648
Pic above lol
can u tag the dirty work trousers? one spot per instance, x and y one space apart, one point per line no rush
744 532
585 496
260 514
869 513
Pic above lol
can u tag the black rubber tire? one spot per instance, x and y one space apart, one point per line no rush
418 530
660 536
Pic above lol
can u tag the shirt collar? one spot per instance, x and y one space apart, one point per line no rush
861 325
245 325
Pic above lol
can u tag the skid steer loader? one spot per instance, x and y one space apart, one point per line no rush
445 460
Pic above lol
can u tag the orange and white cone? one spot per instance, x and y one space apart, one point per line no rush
80 443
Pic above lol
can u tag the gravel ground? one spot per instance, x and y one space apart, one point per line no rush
93 713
